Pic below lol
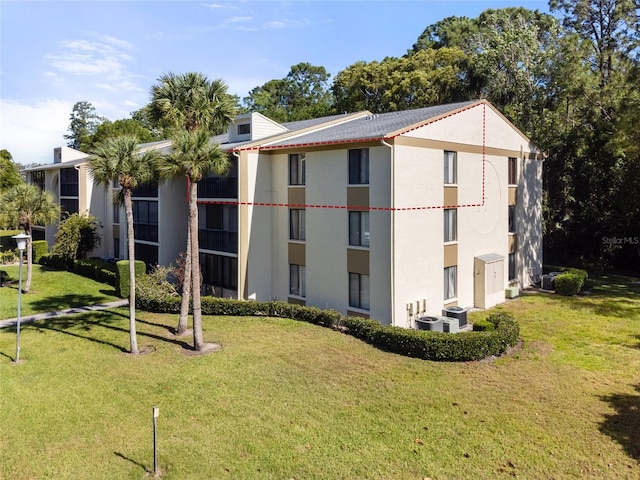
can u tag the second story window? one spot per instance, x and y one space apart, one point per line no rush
512 219
513 171
359 166
244 128
68 182
297 224
359 229
450 167
37 178
297 169
450 225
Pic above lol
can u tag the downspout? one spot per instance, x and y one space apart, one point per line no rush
239 263
393 229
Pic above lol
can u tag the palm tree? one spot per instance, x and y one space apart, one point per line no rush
190 103
25 205
193 155
118 158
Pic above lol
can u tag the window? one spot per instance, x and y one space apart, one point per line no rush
512 219
450 167
116 247
297 169
296 224
218 229
244 128
147 253
69 206
147 190
512 266
297 280
216 186
450 274
513 171
37 178
450 225
359 291
116 214
145 220
359 166
219 270
359 229
68 182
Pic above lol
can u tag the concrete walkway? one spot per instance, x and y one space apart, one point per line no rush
11 322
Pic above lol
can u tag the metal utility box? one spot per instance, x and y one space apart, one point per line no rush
451 325
433 323
456 312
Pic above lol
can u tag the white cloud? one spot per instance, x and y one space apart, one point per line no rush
31 132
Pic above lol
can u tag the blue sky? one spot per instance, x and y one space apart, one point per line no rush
53 53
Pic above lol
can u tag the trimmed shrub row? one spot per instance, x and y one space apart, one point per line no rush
570 281
122 275
95 269
38 249
464 346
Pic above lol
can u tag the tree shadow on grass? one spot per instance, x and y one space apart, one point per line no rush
623 426
91 322
62 302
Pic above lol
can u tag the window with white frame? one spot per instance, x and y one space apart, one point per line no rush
297 169
359 166
359 229
512 219
450 224
297 280
513 171
297 224
450 274
450 167
359 290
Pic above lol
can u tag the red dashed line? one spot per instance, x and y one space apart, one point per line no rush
367 208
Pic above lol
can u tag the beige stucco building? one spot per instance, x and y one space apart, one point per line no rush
390 216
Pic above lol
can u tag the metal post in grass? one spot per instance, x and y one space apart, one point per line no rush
21 241
156 413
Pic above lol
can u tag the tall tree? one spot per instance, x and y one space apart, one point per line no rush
192 106
23 206
84 122
193 155
118 158
422 79
303 94
9 172
127 126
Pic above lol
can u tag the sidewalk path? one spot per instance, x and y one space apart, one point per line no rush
11 322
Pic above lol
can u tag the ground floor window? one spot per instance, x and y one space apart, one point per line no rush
450 274
512 267
297 280
147 253
37 234
359 290
219 271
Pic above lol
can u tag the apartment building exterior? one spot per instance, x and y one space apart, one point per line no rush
388 216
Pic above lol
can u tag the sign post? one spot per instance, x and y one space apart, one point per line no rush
156 413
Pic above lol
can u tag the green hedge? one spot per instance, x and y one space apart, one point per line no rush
483 326
95 269
122 275
570 281
464 346
38 249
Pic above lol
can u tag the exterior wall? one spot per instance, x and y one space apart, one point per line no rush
529 221
173 219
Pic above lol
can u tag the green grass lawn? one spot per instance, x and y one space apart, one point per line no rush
50 290
289 400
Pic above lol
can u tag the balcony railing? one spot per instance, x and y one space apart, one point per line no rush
218 187
218 240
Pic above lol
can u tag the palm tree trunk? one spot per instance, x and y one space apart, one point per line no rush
198 336
186 288
128 207
27 285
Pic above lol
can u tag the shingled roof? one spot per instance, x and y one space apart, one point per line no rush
371 127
